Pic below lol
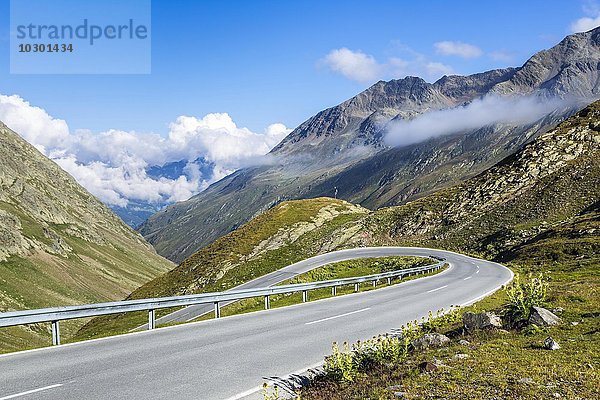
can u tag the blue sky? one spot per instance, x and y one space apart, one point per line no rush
261 61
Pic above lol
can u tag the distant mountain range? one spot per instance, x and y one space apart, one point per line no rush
138 211
362 150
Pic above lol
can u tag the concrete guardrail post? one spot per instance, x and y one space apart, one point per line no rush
151 319
55 333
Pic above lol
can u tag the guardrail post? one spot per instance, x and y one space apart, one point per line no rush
356 287
304 296
389 281
333 290
151 319
267 302
55 333
374 282
217 310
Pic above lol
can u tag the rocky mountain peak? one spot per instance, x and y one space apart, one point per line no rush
341 150
569 69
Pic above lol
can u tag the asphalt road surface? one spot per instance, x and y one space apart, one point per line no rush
191 313
226 358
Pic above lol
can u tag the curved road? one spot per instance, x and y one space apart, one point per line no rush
224 358
191 313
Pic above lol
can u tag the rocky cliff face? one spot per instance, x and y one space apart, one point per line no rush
58 244
552 182
360 121
341 150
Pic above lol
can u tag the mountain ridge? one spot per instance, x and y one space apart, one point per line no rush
341 150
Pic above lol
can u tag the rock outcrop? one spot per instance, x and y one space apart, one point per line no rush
430 340
485 320
541 317
551 344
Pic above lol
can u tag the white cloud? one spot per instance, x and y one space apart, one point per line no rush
585 24
37 126
361 67
418 66
460 49
437 69
354 65
479 113
591 19
502 56
112 165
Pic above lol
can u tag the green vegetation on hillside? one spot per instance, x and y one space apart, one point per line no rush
288 233
59 245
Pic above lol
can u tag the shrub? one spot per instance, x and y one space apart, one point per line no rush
533 329
433 323
408 333
345 365
378 350
523 295
340 365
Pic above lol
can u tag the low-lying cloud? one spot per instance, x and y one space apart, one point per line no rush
112 165
487 111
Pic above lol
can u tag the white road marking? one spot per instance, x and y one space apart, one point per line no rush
12 396
285 377
334 317
477 271
468 277
440 288
194 317
245 394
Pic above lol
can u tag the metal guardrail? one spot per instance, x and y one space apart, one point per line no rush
56 314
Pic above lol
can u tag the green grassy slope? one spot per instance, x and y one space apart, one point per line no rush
58 244
289 232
